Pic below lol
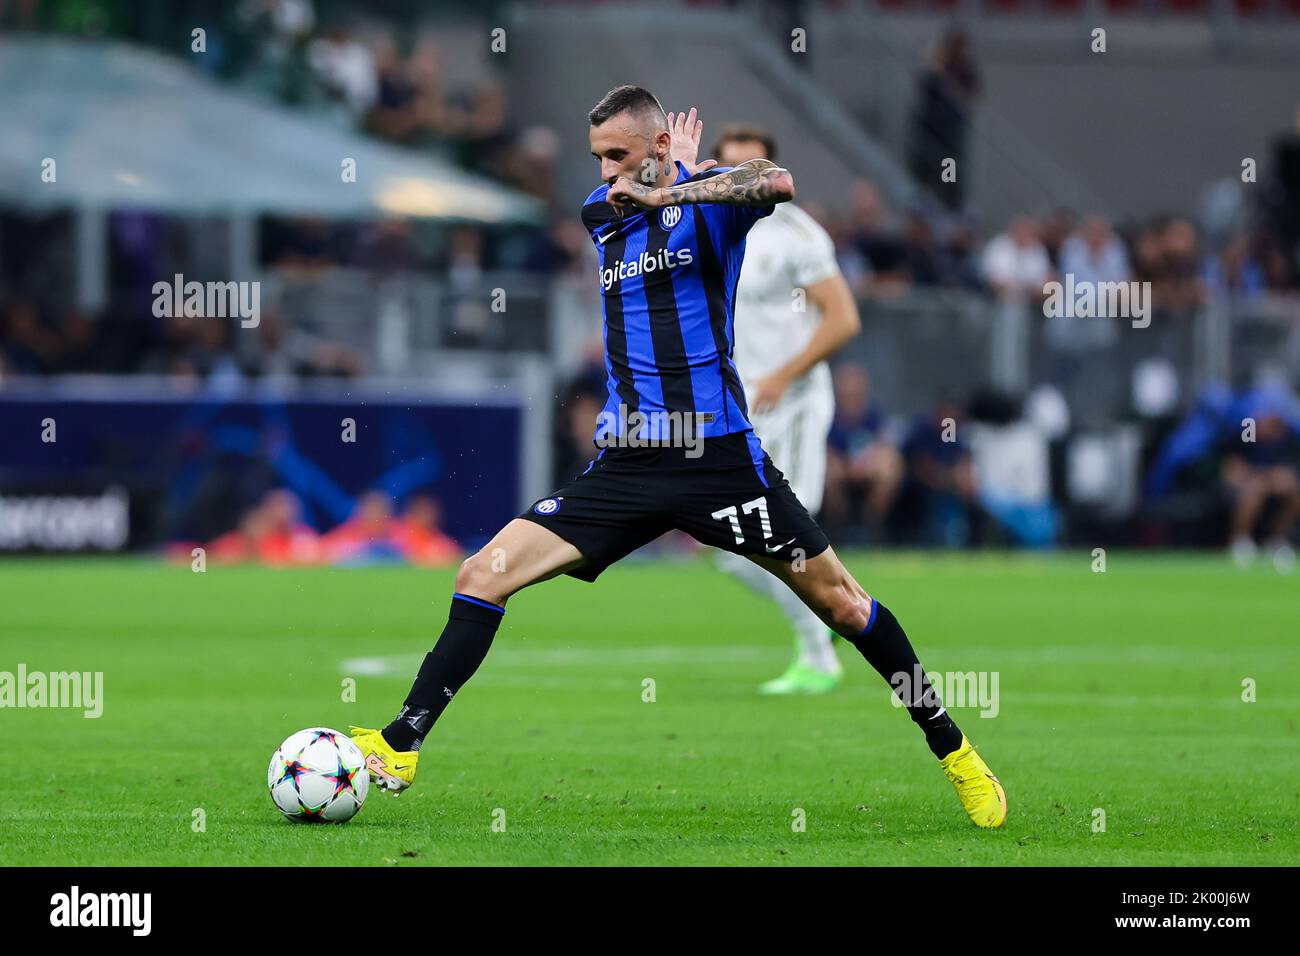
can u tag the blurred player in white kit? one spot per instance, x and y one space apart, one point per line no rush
793 311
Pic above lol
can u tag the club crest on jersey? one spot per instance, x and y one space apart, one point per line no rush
547 506
670 216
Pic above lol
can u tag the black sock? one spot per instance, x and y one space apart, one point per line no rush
886 648
454 659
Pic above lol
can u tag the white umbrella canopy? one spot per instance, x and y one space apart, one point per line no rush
129 128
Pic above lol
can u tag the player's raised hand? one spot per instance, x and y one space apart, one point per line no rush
686 130
625 195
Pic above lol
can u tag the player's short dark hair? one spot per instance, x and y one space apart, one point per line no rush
745 133
627 99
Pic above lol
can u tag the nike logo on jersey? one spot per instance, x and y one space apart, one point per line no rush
617 227
772 550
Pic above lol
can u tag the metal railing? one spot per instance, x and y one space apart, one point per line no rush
396 318
927 345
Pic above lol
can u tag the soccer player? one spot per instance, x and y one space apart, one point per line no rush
678 449
793 311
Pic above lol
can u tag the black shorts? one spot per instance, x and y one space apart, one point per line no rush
730 496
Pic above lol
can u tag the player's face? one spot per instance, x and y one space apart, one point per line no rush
739 151
626 147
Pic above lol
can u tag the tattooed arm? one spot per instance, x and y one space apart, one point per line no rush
758 182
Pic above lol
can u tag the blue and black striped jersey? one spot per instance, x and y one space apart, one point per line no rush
668 278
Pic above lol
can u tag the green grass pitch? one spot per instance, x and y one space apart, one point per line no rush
1119 691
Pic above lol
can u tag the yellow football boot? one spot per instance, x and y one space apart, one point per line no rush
981 793
389 769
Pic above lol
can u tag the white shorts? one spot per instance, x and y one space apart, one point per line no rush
794 435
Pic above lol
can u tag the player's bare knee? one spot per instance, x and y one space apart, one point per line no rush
475 577
848 612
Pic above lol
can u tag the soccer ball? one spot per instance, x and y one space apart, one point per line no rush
318 775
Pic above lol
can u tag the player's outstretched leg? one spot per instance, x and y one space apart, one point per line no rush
522 553
827 587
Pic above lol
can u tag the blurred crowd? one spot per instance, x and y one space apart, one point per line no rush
273 532
1225 472
372 75
193 349
42 334
366 71
885 255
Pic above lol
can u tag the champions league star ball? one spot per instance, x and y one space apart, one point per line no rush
318 775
